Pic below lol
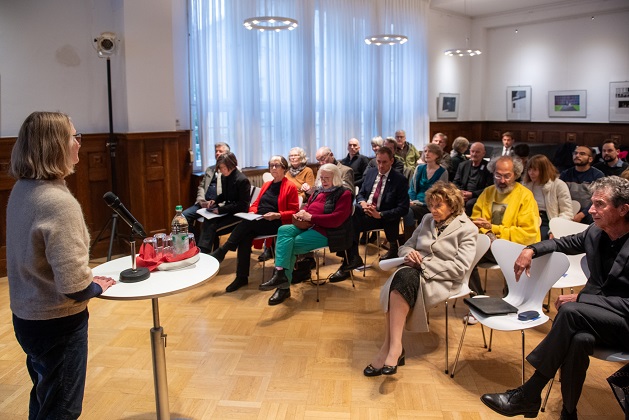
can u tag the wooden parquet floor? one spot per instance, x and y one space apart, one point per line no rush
231 356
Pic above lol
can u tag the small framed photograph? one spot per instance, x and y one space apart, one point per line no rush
519 103
448 105
567 103
619 102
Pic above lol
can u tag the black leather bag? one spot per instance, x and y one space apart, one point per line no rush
340 238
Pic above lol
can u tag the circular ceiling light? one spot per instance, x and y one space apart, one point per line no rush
386 39
462 52
270 23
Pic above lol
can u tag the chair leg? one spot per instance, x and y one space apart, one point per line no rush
522 356
446 308
351 272
456 359
491 336
547 308
318 279
548 389
365 259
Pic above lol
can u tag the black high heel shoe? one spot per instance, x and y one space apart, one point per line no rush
392 370
372 371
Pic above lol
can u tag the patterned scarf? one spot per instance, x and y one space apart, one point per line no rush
295 171
441 226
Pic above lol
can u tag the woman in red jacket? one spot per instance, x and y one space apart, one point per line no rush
276 204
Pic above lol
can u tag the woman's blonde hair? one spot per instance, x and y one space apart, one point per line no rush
337 180
448 193
43 147
547 171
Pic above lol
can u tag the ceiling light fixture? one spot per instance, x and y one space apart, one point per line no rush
467 51
386 39
270 23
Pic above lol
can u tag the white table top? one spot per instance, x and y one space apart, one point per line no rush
160 283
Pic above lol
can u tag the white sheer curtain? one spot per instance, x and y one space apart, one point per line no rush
319 84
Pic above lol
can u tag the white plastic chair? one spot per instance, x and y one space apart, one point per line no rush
482 245
574 277
266 177
576 207
526 295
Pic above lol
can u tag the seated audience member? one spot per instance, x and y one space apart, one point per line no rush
550 192
611 163
625 174
436 258
398 165
457 155
324 155
356 161
380 203
298 172
209 187
562 159
425 176
505 210
472 176
234 198
441 140
522 151
596 317
507 146
277 202
578 179
329 207
409 155
376 143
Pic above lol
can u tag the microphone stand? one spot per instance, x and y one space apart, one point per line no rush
134 274
112 144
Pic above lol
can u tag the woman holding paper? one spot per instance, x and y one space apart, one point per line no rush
436 258
234 198
275 206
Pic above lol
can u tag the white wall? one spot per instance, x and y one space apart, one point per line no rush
48 63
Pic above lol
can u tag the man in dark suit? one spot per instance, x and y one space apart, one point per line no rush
595 317
380 203
472 176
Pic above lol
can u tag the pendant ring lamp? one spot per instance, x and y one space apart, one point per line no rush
270 23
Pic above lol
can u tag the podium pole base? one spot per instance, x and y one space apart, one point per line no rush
132 276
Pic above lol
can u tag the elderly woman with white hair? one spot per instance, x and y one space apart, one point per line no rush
298 172
328 210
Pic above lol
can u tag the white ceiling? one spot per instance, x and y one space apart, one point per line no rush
478 8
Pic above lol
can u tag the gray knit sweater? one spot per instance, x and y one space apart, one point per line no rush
47 250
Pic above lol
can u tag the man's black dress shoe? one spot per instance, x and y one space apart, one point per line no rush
279 279
512 403
266 255
279 296
237 284
392 253
354 262
568 416
339 275
372 371
392 370
219 253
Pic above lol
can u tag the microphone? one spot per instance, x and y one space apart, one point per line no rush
113 201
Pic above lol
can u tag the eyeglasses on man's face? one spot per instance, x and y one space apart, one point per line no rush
322 159
503 177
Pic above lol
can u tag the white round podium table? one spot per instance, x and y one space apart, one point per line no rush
159 284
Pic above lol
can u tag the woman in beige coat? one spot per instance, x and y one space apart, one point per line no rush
436 258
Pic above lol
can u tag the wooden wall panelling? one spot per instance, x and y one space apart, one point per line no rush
6 184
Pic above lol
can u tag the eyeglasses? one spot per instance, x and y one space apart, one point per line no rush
505 177
322 158
275 166
78 137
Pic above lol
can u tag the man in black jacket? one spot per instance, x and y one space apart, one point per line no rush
595 317
356 161
381 201
472 176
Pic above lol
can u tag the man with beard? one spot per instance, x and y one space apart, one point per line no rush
579 178
505 210
611 164
472 176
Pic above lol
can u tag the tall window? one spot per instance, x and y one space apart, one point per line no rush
320 84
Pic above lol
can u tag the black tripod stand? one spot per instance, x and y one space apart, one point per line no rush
112 144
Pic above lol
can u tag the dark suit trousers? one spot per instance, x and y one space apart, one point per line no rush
363 223
577 328
242 236
211 229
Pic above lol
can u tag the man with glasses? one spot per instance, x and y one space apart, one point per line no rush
406 151
324 155
356 161
578 178
505 210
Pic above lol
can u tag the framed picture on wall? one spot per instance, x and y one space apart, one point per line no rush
448 105
519 103
619 102
567 103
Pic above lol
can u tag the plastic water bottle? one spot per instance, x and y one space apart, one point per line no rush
179 232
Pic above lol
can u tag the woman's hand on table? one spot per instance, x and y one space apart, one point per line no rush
104 282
